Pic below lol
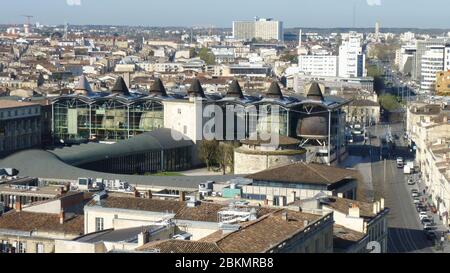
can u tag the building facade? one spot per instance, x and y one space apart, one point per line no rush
20 126
352 59
260 28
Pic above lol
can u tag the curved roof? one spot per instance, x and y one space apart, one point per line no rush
235 90
158 140
158 88
44 164
120 87
196 89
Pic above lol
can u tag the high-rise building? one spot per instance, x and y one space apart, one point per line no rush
260 28
436 59
421 48
377 31
351 56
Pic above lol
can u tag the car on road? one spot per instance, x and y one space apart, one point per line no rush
400 162
417 201
429 227
414 191
411 182
415 194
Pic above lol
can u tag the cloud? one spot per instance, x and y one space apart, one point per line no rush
73 2
374 2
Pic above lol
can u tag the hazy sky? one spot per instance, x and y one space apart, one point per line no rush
220 13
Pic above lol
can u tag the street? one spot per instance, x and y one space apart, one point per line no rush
405 230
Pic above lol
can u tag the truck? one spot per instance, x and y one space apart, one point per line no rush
409 167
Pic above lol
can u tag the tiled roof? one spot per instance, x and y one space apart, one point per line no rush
305 173
132 203
343 205
344 238
181 246
13 104
261 235
29 221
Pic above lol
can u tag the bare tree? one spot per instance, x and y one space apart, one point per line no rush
208 150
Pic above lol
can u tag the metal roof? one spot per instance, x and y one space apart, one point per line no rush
46 165
157 140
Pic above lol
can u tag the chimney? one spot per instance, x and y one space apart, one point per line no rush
143 237
136 193
61 217
182 196
284 216
382 203
340 195
354 211
18 206
305 223
378 206
149 194
374 210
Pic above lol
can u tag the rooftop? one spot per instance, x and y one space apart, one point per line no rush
43 222
5 104
301 172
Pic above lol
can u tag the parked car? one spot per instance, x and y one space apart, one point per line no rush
415 194
414 191
417 201
429 227
426 221
411 182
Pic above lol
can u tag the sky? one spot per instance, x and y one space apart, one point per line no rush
220 13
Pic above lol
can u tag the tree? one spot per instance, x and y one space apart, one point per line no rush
207 56
377 74
288 57
208 150
389 102
225 157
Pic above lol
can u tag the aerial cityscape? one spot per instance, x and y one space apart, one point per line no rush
135 127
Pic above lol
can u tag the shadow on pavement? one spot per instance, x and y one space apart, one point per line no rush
403 240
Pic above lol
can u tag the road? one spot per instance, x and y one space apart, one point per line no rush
405 229
387 181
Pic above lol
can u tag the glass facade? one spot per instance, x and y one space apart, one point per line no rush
177 159
272 117
105 119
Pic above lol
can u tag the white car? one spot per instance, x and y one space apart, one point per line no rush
416 200
415 194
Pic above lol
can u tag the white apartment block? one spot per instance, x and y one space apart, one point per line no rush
260 28
351 56
318 65
435 59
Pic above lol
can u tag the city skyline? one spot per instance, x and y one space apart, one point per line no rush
402 13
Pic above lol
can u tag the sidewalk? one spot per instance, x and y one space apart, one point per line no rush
439 224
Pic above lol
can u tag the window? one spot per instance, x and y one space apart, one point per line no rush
185 129
98 223
21 247
39 248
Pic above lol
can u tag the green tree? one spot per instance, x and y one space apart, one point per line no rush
288 57
377 74
208 150
207 56
389 102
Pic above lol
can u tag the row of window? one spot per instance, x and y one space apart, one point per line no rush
18 247
19 112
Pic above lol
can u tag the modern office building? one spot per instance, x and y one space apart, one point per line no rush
20 126
352 59
122 114
260 28
422 47
318 65
434 60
